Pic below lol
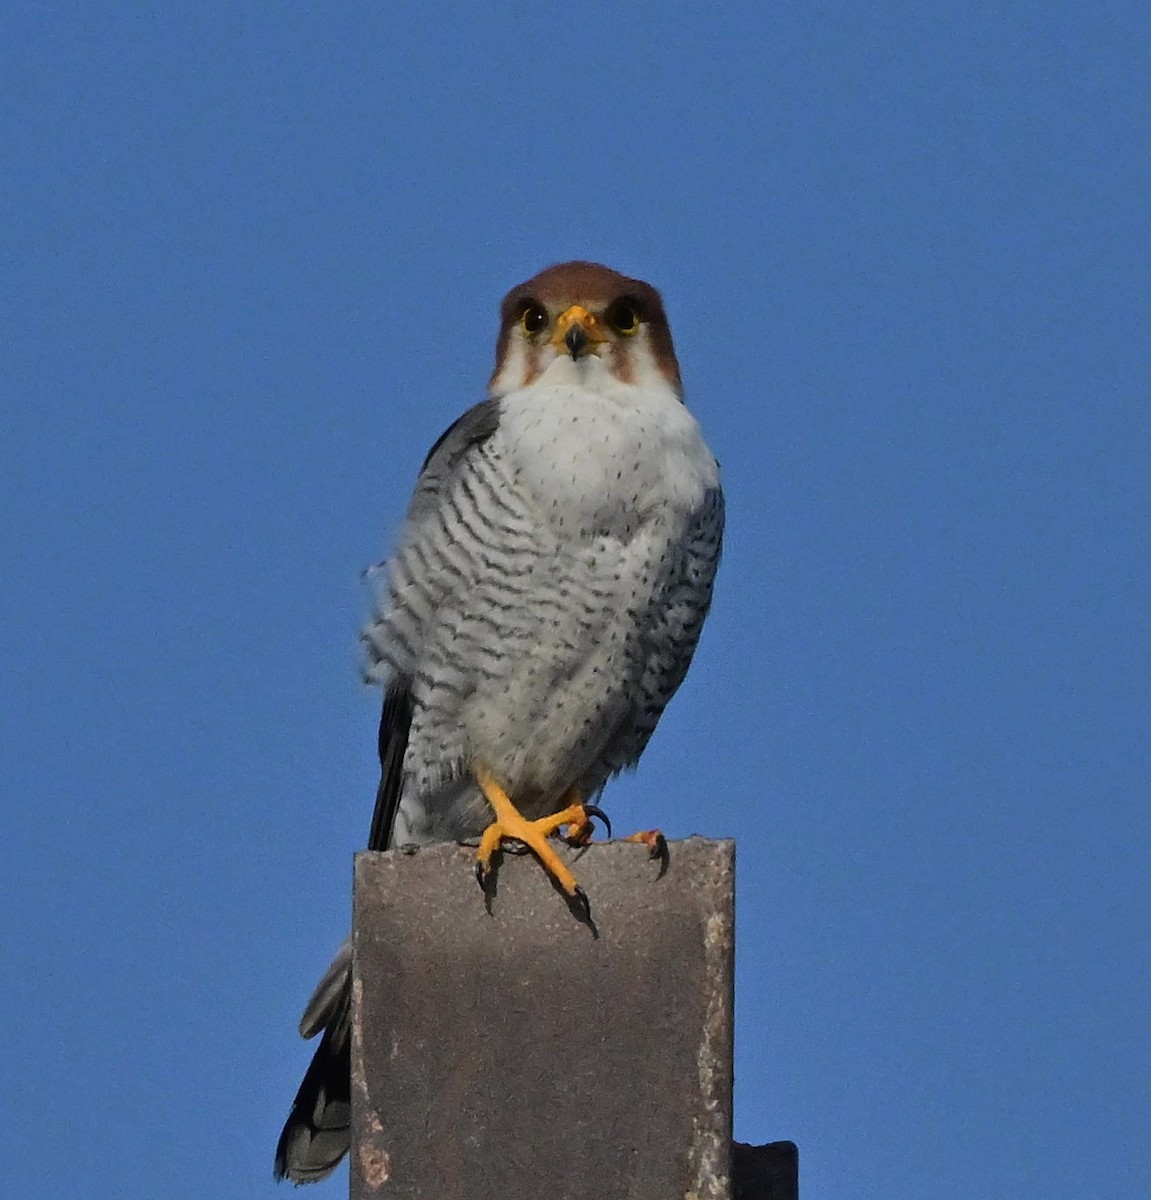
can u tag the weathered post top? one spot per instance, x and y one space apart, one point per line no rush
508 1051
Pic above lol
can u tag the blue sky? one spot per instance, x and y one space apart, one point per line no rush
251 261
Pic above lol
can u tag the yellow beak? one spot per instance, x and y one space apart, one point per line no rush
577 329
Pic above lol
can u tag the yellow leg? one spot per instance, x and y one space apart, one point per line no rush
509 823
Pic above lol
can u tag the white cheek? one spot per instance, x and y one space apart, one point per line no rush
514 371
646 370
524 363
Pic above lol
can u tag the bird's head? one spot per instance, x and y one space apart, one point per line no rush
578 321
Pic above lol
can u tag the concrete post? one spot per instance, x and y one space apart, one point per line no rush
506 1050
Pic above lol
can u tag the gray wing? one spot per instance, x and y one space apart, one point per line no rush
450 448
418 571
687 599
316 1134
423 569
671 627
395 724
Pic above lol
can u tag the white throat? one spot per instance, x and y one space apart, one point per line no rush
603 455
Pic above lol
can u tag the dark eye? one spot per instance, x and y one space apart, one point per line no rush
623 317
533 319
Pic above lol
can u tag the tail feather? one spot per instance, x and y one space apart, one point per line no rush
317 1133
332 993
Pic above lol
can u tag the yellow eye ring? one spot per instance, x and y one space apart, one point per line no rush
533 319
623 317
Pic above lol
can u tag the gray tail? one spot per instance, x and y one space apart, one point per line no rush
317 1134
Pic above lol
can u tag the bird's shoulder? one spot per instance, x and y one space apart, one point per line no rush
449 450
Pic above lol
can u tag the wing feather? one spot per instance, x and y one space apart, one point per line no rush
446 458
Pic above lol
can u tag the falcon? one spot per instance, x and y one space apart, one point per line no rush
551 580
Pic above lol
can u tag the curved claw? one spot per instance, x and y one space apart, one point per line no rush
656 845
593 810
660 851
580 904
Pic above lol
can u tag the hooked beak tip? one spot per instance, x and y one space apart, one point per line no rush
576 340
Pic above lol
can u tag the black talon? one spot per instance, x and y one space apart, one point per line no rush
659 850
592 810
581 904
481 877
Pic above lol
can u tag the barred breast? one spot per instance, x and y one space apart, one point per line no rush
545 602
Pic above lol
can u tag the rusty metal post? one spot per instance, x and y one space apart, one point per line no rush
507 1051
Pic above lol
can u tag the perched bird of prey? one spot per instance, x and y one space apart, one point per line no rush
542 607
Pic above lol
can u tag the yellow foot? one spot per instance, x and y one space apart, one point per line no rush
579 833
656 845
510 823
